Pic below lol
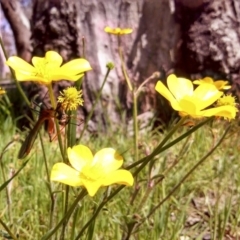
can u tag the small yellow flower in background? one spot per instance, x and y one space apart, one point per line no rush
189 102
220 84
2 91
90 171
118 31
47 69
228 100
70 98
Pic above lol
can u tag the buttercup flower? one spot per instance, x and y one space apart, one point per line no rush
193 103
70 98
228 100
118 31
47 69
90 171
219 84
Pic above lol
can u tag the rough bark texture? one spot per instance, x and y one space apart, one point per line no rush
20 26
154 49
62 25
210 39
54 27
191 38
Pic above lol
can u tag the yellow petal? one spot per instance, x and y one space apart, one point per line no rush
163 90
75 67
61 172
92 187
54 57
179 87
51 61
79 156
19 64
108 30
60 75
188 107
228 112
26 77
126 31
197 82
38 62
220 84
118 31
119 177
208 80
206 94
107 160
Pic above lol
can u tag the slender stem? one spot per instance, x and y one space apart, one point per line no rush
161 147
186 176
4 180
64 225
66 216
154 75
7 193
74 222
8 230
51 96
95 104
53 103
102 204
48 181
13 75
123 66
135 125
71 129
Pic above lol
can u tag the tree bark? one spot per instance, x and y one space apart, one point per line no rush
190 38
20 26
210 40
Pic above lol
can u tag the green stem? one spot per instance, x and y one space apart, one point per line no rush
135 125
161 147
102 204
4 180
14 77
49 182
153 76
8 230
64 225
123 66
95 104
75 218
7 193
71 129
53 103
66 216
186 176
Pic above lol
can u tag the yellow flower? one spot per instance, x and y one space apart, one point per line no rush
219 84
118 31
90 171
228 100
2 91
70 98
193 103
47 69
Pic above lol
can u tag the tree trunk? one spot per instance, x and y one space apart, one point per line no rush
210 40
190 38
20 26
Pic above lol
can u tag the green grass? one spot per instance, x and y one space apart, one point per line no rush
207 203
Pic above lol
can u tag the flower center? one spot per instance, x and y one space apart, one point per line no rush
90 174
70 98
